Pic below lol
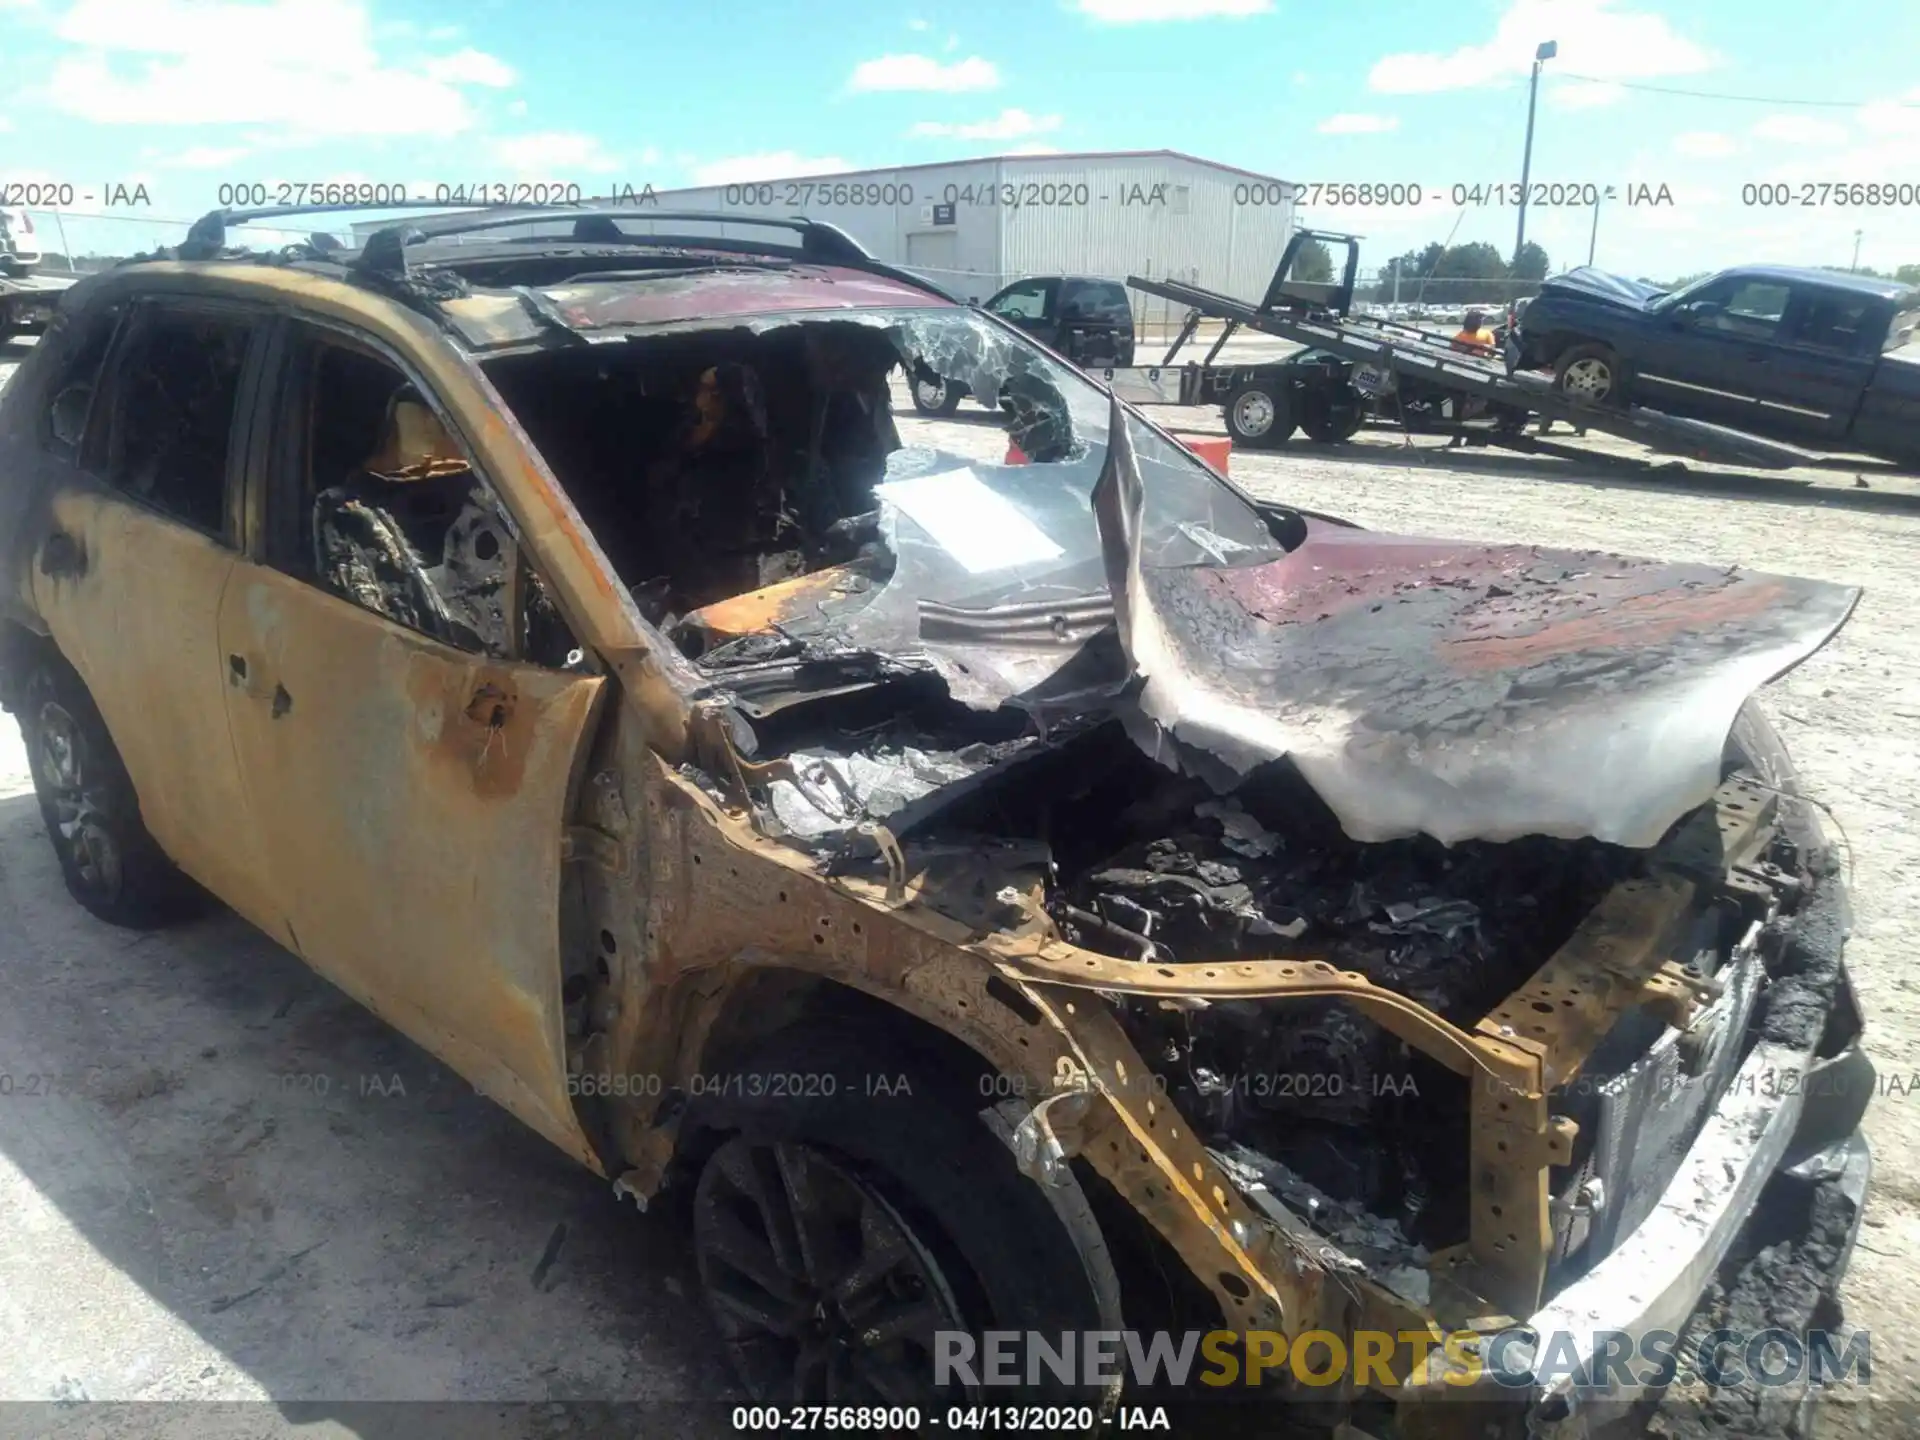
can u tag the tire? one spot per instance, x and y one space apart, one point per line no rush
1510 419
1259 416
1589 374
110 863
1331 420
975 1244
936 397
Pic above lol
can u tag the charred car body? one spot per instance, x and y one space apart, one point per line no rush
554 643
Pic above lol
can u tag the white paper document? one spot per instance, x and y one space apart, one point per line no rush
971 521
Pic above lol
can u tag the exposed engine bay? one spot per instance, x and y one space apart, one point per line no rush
1130 859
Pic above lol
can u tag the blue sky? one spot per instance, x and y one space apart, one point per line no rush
180 95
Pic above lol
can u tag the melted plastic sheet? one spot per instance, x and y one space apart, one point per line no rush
1462 691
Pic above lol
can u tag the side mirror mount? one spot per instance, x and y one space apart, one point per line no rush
67 417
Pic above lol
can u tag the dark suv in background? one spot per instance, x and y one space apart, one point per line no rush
1089 321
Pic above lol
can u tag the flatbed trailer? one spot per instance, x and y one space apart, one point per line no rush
1380 359
27 303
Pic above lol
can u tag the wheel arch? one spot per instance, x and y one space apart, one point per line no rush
776 1009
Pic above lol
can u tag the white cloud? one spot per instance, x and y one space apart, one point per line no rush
309 67
516 107
206 157
923 72
469 67
1800 130
553 152
1009 124
916 24
1704 145
773 165
1140 12
1594 38
1898 116
1354 124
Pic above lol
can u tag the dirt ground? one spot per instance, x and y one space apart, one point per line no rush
245 1188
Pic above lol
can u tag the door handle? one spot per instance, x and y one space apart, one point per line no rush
255 688
240 676
61 555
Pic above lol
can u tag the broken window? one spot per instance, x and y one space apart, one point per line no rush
715 464
751 490
377 502
175 386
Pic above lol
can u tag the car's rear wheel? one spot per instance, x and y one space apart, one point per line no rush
1259 415
853 1210
936 397
110 862
1589 374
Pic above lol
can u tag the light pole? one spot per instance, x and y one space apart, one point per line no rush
1593 235
1548 49
1856 251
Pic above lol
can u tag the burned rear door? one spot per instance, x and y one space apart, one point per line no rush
412 773
139 545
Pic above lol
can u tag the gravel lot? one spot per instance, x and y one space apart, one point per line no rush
198 1220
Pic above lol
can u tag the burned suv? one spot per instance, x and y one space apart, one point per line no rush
1037 898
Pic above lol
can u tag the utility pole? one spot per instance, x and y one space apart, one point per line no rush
1548 49
1593 235
1856 252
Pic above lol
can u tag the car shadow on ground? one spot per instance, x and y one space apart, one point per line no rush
1605 471
320 1201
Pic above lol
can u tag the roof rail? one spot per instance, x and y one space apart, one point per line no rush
818 240
384 250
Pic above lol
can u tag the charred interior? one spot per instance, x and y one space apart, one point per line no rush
719 462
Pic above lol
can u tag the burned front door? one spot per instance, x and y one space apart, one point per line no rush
412 778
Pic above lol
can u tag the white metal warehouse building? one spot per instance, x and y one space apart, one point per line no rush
974 225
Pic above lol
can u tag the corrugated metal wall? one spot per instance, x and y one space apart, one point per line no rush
1156 213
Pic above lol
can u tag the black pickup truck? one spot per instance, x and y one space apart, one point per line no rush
1812 357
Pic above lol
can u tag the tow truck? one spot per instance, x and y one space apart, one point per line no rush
1352 366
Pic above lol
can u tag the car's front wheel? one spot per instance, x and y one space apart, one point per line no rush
936 397
1590 375
110 862
858 1221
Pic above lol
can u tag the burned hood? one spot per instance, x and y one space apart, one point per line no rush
1458 690
1590 284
